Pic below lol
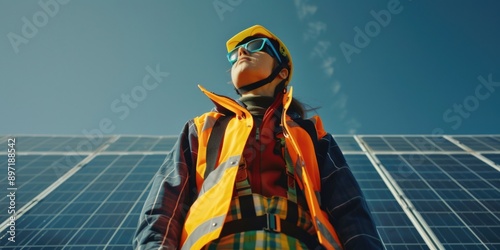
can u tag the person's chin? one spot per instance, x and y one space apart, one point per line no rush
247 75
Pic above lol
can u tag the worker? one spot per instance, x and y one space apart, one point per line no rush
255 173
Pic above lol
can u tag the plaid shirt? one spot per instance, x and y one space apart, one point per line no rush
263 239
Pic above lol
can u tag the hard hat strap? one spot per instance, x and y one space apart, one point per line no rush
262 82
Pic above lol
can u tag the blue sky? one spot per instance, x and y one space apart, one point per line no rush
132 67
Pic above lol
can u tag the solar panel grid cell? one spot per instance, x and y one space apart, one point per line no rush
377 143
347 143
399 144
421 143
443 144
24 144
50 144
482 143
144 144
441 219
164 145
123 143
491 141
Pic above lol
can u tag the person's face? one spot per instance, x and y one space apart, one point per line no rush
251 67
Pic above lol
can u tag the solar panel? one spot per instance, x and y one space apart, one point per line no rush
34 173
395 228
446 201
93 207
425 192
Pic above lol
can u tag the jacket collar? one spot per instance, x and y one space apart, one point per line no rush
226 105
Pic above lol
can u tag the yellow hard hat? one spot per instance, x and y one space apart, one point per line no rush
260 30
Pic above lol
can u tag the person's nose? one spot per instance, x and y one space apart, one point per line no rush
242 51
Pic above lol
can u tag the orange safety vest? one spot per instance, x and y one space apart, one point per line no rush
207 214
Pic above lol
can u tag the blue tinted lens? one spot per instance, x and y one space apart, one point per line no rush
255 45
232 56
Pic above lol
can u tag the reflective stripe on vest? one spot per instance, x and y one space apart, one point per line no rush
204 125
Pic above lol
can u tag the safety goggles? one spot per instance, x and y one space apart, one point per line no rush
255 45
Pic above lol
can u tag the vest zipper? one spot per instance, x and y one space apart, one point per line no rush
257 134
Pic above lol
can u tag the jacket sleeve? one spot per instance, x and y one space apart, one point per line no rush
342 199
172 192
